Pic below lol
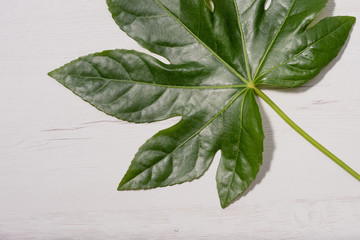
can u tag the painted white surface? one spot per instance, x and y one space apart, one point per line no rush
61 159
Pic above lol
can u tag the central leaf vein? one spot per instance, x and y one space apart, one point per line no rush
243 41
164 85
238 144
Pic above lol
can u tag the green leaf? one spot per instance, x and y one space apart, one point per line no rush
220 52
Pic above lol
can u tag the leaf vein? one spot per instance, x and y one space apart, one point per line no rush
205 87
243 41
298 54
201 42
273 40
238 145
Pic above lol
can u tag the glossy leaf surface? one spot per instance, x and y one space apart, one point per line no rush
218 51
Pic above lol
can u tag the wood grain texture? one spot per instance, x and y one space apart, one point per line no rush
61 159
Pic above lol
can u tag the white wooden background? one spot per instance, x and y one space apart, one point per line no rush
61 159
